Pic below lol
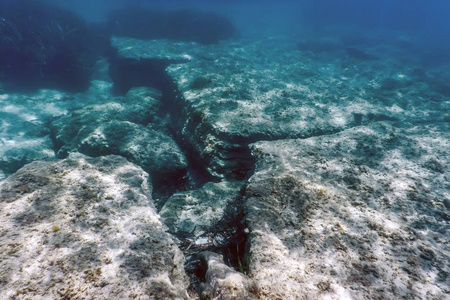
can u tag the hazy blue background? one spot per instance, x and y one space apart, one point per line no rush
423 17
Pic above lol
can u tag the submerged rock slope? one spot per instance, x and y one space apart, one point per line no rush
362 214
44 46
130 126
85 228
330 167
237 93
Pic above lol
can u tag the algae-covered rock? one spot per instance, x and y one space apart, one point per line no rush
130 126
362 213
85 228
43 46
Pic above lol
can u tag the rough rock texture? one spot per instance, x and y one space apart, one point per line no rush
84 228
243 91
119 127
193 211
358 214
25 119
164 50
363 214
350 201
222 282
140 106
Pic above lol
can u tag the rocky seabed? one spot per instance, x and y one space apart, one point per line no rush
239 170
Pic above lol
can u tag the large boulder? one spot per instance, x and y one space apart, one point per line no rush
359 214
143 63
151 149
85 228
130 126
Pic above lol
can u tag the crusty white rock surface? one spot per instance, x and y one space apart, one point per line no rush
349 199
85 228
243 91
193 211
222 282
362 214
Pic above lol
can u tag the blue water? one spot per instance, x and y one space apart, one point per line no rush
425 23
416 16
47 42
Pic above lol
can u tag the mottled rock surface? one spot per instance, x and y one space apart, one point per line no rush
222 282
362 214
25 119
194 211
243 91
85 228
349 198
129 126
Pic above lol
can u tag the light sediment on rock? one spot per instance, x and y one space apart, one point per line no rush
129 126
24 134
243 91
349 198
85 227
362 213
194 211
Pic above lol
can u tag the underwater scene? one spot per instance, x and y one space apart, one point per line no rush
247 149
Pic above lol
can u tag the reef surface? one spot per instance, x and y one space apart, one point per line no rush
259 169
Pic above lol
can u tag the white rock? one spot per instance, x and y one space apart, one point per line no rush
359 214
193 211
85 228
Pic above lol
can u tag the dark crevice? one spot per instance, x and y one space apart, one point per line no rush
227 237
127 73
173 105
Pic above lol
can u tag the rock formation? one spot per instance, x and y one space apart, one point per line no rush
85 228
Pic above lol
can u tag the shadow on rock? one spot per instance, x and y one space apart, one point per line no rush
206 28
